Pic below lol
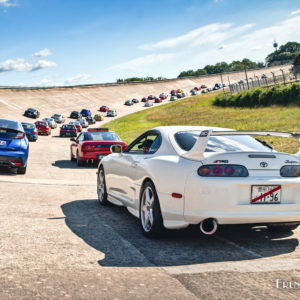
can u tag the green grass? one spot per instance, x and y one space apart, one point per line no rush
199 110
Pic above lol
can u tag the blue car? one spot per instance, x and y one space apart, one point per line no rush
14 146
30 131
85 112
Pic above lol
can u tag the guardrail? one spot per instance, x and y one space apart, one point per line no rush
265 80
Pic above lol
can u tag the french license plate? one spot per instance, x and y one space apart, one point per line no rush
261 194
99 156
2 143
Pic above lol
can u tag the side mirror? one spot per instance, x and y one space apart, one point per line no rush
73 140
116 149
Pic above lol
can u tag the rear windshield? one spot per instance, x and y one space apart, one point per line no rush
101 136
69 127
6 133
41 123
28 126
227 143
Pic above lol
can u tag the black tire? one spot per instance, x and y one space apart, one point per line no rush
150 208
21 170
71 156
101 187
79 163
282 228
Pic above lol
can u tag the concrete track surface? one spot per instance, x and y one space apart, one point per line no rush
57 242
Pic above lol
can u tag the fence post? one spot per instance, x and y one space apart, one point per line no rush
274 78
283 75
246 76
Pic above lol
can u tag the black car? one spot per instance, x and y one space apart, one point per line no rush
151 97
32 113
134 100
128 102
90 120
68 130
75 115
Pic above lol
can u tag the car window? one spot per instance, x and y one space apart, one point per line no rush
28 126
227 143
153 140
102 136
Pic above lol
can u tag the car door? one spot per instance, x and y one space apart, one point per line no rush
127 168
75 145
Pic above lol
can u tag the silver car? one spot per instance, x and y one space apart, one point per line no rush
83 122
111 113
173 98
58 118
51 122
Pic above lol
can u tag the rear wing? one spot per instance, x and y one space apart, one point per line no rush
197 151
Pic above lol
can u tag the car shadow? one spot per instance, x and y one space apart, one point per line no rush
115 232
68 164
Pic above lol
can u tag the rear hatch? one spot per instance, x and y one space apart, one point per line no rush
100 147
257 163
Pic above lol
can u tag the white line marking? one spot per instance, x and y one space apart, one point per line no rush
254 254
14 106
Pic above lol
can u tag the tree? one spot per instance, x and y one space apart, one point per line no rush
285 53
296 64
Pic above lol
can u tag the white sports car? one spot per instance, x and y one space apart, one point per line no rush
173 176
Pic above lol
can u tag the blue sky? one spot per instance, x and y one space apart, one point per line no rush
69 42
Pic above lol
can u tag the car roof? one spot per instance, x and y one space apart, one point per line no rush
11 124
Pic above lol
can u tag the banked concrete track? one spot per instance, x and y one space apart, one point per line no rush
57 242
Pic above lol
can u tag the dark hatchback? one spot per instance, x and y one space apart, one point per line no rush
75 115
68 130
32 113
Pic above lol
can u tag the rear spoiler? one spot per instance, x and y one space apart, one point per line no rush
197 152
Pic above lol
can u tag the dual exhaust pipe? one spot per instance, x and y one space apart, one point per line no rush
209 226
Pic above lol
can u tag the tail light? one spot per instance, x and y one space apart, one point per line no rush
20 135
223 171
33 132
290 171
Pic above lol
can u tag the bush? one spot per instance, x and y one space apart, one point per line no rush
277 95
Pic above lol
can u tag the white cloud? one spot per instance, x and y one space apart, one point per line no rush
43 53
209 34
295 12
77 78
42 64
7 3
21 65
143 61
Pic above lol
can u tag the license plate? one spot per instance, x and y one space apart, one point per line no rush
99 157
261 194
67 133
2 143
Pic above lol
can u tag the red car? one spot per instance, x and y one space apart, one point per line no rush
104 108
144 99
157 100
43 127
203 86
92 144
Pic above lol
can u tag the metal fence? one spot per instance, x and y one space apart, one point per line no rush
265 80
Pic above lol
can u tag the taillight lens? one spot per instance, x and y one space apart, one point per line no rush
290 171
223 171
33 132
20 135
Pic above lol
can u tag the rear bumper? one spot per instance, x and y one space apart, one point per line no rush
95 156
10 159
229 201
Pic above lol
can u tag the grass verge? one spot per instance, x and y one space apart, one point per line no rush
199 110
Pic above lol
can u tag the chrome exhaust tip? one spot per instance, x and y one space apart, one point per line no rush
209 226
